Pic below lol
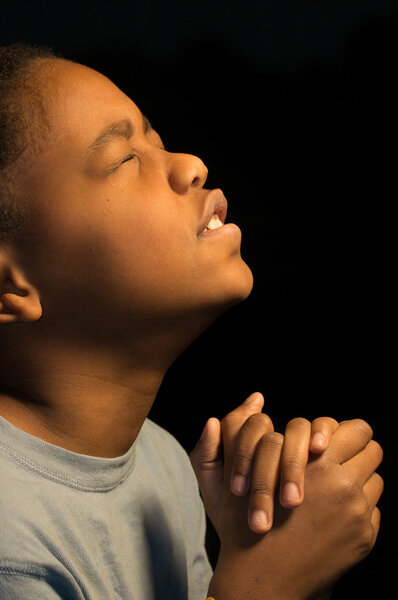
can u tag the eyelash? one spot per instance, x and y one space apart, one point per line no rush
127 158
131 156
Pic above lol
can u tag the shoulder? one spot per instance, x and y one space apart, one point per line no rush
20 510
161 448
157 435
13 477
168 462
159 439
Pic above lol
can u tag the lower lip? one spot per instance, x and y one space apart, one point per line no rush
228 229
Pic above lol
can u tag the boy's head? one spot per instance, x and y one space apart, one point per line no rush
100 225
23 126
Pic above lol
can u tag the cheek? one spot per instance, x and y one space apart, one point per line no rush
143 251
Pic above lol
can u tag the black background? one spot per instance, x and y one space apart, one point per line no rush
292 106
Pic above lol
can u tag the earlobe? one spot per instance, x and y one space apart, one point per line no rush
15 308
19 301
9 310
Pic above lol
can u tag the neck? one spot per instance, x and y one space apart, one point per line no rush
92 403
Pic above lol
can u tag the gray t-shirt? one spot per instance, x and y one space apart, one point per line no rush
81 527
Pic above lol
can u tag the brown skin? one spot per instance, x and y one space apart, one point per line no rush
111 283
262 467
307 549
114 268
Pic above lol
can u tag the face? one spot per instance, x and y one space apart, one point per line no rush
116 233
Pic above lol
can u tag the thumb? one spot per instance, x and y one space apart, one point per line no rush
207 463
233 422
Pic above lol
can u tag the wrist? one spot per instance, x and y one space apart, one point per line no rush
235 584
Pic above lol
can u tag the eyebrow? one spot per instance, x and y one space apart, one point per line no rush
123 128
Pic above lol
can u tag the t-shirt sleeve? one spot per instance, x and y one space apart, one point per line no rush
15 585
201 571
188 508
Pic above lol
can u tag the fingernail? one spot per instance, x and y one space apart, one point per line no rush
239 485
290 493
259 519
318 439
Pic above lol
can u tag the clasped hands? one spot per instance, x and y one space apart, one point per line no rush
262 461
313 491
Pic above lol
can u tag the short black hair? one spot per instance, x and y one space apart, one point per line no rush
23 125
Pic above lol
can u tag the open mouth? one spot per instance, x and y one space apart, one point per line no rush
215 212
214 223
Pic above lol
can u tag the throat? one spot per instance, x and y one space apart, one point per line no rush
105 428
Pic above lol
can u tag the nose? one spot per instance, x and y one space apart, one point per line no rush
186 171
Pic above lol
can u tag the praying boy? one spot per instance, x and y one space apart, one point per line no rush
113 259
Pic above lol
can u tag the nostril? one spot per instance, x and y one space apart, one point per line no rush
196 182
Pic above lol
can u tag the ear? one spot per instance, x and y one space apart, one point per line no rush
19 299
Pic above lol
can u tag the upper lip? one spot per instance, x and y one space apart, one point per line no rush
215 204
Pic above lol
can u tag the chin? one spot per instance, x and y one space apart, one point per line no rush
234 290
237 286
243 286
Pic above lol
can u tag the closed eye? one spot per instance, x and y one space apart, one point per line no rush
125 159
129 157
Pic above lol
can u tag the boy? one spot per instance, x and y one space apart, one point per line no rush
113 259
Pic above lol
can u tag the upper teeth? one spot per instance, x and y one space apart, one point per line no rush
214 222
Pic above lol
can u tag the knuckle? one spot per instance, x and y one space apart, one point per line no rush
243 455
362 428
271 440
376 518
235 419
259 421
379 482
229 419
293 463
377 450
376 484
262 487
322 422
366 541
346 488
318 472
232 422
227 422
243 462
298 423
359 509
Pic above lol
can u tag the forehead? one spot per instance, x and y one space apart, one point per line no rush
82 101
